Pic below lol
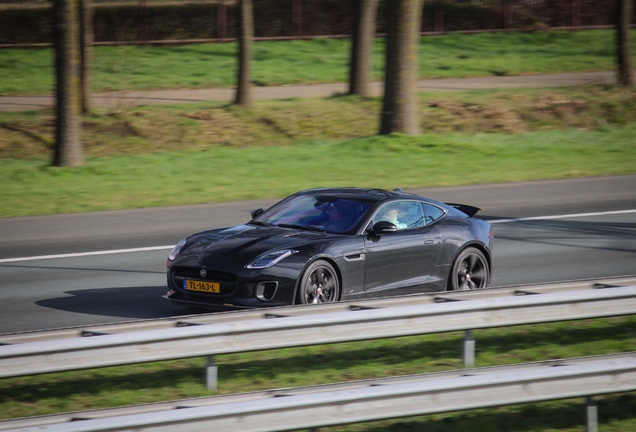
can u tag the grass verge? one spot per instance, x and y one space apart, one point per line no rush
227 174
198 153
294 367
31 71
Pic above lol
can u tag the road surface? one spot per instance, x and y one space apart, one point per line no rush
90 268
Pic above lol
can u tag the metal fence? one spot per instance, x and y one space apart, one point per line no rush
353 402
142 21
313 329
488 15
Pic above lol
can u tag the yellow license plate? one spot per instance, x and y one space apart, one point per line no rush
211 287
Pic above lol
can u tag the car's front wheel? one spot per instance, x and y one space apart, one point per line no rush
469 271
319 284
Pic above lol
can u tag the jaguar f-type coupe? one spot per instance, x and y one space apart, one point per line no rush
326 245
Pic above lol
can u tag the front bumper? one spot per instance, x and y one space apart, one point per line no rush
255 289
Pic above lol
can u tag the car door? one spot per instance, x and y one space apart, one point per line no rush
401 262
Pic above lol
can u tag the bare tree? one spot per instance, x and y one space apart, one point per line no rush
624 10
68 145
362 46
399 111
244 88
86 47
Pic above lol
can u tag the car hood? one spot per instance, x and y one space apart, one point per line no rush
243 243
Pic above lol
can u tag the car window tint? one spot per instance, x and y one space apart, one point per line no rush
431 213
335 214
408 214
344 215
397 213
292 211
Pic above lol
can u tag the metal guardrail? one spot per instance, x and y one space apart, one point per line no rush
303 310
311 407
322 328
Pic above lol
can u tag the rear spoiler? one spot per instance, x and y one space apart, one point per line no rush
469 210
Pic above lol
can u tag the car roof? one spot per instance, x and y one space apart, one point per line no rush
365 194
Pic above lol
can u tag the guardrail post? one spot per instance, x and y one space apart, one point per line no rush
211 374
592 415
469 349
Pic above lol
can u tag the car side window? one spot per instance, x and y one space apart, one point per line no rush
431 213
389 213
408 214
402 214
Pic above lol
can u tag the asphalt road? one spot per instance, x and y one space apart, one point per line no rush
119 100
79 269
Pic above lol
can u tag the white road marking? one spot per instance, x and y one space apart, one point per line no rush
83 254
565 216
154 248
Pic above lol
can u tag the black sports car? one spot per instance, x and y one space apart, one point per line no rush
325 245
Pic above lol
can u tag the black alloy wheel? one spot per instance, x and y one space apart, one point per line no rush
319 284
470 271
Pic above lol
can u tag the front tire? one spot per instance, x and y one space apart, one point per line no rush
319 284
469 271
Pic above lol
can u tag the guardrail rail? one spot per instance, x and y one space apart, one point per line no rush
312 329
351 402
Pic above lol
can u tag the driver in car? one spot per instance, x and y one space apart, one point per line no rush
390 213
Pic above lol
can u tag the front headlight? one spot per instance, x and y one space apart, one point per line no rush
270 259
176 250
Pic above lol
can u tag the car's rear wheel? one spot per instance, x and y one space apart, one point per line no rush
469 271
319 284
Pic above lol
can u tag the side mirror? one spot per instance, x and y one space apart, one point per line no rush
384 227
257 212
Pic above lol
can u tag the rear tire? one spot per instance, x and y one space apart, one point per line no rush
319 284
469 271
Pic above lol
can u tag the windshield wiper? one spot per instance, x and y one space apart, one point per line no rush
302 227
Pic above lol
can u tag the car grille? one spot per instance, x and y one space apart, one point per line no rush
212 275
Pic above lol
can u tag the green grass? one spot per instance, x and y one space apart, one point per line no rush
225 173
294 367
198 153
321 60
163 155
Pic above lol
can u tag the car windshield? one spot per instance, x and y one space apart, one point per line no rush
324 213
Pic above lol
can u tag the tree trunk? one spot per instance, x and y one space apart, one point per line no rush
399 111
88 37
362 47
244 88
624 10
68 145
